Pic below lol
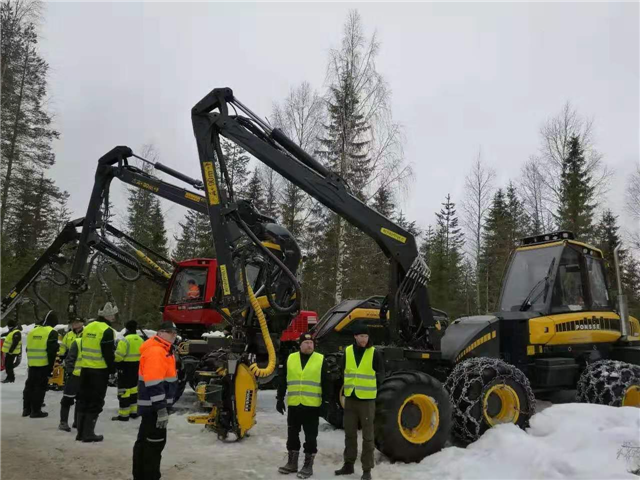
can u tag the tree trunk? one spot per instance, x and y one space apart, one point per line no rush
12 151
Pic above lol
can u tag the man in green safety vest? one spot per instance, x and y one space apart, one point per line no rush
12 348
73 367
127 363
305 377
363 372
42 346
98 362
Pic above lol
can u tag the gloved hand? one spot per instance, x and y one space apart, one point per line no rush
163 419
280 407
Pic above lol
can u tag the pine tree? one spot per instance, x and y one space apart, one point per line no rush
446 262
607 238
195 239
575 212
255 191
26 126
237 162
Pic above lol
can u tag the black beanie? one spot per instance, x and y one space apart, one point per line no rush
305 336
50 319
360 328
131 326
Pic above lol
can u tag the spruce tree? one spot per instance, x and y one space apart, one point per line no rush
255 191
575 211
237 162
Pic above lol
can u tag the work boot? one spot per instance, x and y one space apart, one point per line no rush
8 380
307 469
64 418
26 412
81 420
118 418
292 463
88 429
39 414
366 475
347 469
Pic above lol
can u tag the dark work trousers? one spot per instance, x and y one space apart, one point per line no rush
71 388
306 418
93 389
360 412
147 451
127 387
35 388
9 362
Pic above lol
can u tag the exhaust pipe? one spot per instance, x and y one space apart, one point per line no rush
623 307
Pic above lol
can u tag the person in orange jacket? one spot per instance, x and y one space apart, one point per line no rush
157 385
194 291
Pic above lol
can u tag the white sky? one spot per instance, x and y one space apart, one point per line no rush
463 77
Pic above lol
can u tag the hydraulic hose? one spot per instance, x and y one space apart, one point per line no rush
271 366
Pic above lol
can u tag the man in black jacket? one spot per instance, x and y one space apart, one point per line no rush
304 375
363 369
42 347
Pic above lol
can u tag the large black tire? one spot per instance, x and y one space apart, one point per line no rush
399 415
335 408
610 382
487 391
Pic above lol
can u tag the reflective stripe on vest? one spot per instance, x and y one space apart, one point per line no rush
304 385
362 377
12 343
37 346
77 368
91 348
129 348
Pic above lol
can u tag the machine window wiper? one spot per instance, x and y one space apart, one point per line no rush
528 302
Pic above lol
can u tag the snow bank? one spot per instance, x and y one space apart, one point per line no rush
564 441
213 335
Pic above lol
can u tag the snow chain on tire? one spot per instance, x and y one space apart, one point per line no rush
606 381
467 386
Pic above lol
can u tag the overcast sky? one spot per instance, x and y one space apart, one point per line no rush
463 77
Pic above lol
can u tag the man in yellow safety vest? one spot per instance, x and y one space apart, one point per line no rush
363 373
42 346
127 363
98 362
305 377
12 348
73 367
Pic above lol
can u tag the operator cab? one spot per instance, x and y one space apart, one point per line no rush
554 273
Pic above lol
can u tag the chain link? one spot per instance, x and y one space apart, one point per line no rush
605 381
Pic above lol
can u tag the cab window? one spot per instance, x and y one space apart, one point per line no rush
597 282
570 287
189 286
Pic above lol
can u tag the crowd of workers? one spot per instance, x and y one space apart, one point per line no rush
147 384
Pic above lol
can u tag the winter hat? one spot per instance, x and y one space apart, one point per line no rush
360 328
109 310
131 326
50 319
305 336
168 327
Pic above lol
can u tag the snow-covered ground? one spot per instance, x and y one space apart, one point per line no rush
564 441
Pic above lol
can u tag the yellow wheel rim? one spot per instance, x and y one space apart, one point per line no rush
418 418
501 404
631 396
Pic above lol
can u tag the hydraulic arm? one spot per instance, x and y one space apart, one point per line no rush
408 300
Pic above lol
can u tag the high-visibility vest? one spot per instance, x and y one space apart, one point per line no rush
67 341
304 385
361 378
77 368
37 346
91 348
128 349
13 342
